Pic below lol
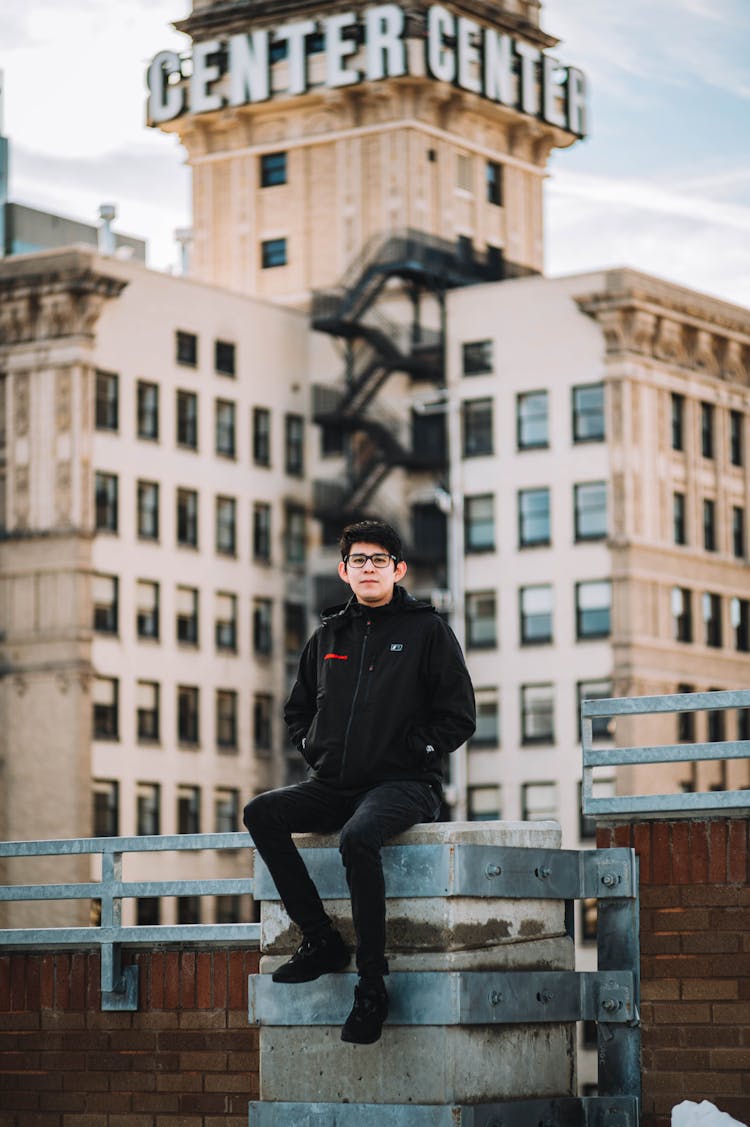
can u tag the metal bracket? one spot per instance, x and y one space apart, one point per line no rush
454 998
509 872
125 994
563 1111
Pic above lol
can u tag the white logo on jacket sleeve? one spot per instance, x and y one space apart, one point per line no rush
396 647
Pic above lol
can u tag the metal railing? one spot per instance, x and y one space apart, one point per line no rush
724 800
120 984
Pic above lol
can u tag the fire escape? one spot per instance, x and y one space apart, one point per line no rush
353 416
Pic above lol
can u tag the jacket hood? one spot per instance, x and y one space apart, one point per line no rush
401 601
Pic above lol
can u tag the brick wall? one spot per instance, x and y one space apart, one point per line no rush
187 1058
695 962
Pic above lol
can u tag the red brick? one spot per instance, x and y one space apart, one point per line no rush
203 1062
701 1084
143 961
660 943
680 1060
227 1082
33 983
109 1101
203 1019
180 1121
157 981
18 982
47 982
219 978
203 998
108 1062
659 989
131 1041
62 1101
680 919
692 1013
62 981
713 1036
155 1101
729 1013
140 1079
664 1082
661 864
709 941
21 1101
187 980
158 1020
604 837
86 1081
237 982
659 896
622 836
717 865
78 981
171 980
203 1102
736 1106
642 845
4 982
709 896
734 1059
19 1021
699 842
737 851
93 982
730 919
711 990
680 845
175 1081
69 1061
132 1120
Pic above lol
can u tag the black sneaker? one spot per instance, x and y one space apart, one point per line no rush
314 957
365 1023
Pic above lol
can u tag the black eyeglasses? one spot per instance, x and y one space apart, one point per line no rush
379 559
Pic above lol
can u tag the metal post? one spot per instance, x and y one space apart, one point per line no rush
618 946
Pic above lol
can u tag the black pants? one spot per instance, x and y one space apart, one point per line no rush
367 819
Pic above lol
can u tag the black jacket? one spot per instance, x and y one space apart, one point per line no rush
382 693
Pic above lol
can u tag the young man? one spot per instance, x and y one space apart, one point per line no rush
382 694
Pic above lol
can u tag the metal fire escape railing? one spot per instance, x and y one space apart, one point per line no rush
119 985
626 804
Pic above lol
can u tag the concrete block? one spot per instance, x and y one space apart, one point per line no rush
419 1064
551 953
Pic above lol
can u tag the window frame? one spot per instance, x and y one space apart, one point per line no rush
274 253
524 541
592 635
523 421
581 434
528 737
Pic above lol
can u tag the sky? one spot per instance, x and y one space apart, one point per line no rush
662 182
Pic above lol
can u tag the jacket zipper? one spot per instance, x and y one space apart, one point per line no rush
354 699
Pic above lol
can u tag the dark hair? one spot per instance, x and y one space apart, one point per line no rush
371 532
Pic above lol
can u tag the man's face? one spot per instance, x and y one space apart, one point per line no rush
372 585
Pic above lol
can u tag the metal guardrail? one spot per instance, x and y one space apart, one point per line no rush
120 984
666 753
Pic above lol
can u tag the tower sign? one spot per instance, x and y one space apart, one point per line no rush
257 65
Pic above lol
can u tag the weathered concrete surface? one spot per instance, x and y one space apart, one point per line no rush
418 1064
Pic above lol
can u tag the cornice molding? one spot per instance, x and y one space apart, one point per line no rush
49 299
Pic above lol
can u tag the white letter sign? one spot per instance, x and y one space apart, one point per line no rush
386 50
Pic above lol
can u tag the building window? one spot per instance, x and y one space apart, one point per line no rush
717 729
679 527
148 510
532 429
686 720
147 410
483 803
105 492
711 607
226 429
590 510
295 629
535 604
106 712
262 705
477 357
481 624
188 910
707 430
487 733
272 169
262 627
188 704
465 172
148 803
738 532
678 421
105 594
477 427
538 802
740 616
602 727
225 357
226 720
294 447
479 523
186 607
537 714
186 348
593 606
147 609
533 518
588 413
494 180
261 436
147 911
273 253
107 401
736 443
187 518
226 622
226 810
709 525
147 711
262 532
294 534
743 723
682 614
226 526
228 910
187 419
106 808
600 788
